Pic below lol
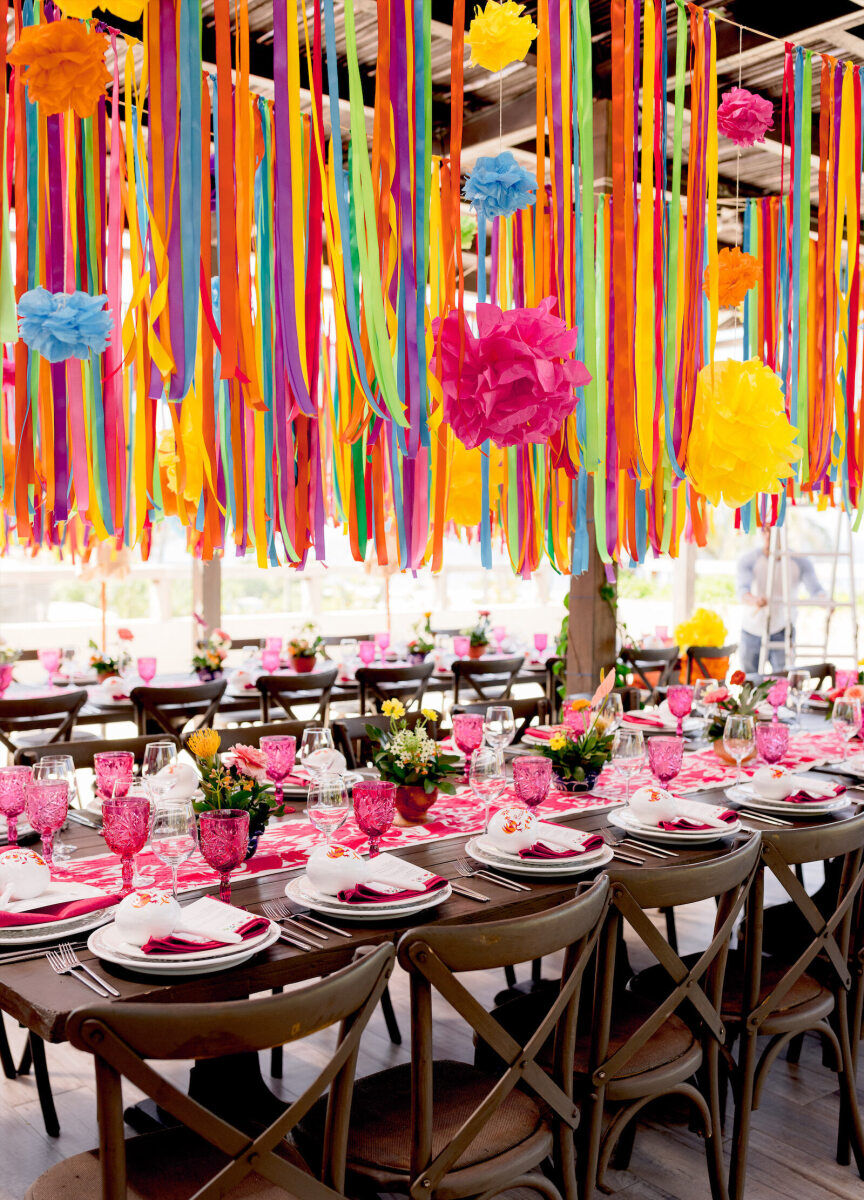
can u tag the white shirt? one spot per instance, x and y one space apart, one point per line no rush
753 578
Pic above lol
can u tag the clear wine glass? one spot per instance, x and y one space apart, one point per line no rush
700 705
327 804
499 726
158 756
348 656
800 685
738 738
374 810
315 737
628 753
846 720
224 836
679 697
173 834
60 766
487 778
613 710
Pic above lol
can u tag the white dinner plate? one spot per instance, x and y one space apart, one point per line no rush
622 819
110 937
485 844
380 910
58 892
537 866
180 966
747 794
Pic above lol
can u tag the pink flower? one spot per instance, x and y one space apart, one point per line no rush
222 635
518 377
717 696
125 635
778 692
743 116
248 760
199 620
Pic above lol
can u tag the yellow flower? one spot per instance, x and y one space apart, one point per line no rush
500 35
557 742
430 714
204 743
579 705
393 708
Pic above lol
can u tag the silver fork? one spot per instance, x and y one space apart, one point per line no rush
73 961
271 909
291 910
59 967
464 867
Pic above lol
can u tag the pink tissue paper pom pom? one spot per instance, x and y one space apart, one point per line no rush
518 378
743 117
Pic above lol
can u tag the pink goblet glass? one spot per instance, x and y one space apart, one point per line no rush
499 632
47 802
679 697
541 641
382 641
461 645
366 650
665 756
273 643
776 697
772 740
224 840
270 660
13 796
374 809
279 752
50 660
147 668
6 670
468 736
111 768
125 827
532 777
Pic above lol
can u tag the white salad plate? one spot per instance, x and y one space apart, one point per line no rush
57 893
501 861
622 818
746 794
105 943
301 889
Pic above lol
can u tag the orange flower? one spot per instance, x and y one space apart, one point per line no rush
738 272
855 692
64 66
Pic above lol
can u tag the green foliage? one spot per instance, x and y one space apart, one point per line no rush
227 787
410 758
581 756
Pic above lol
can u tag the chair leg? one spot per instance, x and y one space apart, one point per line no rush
510 976
671 931
390 1018
276 1054
43 1085
714 1143
6 1059
793 1050
743 1114
851 1117
590 1134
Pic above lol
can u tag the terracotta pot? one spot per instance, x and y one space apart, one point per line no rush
413 804
101 676
303 665
416 658
720 751
476 651
716 668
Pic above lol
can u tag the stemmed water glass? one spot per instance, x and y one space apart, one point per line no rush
499 726
13 797
173 834
327 804
541 641
50 660
461 644
158 756
665 756
772 740
628 753
799 685
47 803
126 826
613 710
347 656
701 688
487 778
468 735
224 835
112 768
315 737
846 720
532 778
499 633
60 766
679 697
146 668
382 641
374 810
279 752
738 738
366 650
270 660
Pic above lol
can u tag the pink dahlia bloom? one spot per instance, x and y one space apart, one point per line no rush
249 761
743 117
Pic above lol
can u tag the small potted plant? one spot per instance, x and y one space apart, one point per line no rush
412 760
581 750
479 635
104 664
237 780
423 641
739 699
209 663
303 649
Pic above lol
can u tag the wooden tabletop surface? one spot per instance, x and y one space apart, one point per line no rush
31 993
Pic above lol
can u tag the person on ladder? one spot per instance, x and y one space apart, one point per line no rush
760 610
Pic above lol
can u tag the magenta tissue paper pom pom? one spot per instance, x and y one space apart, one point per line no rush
518 378
743 116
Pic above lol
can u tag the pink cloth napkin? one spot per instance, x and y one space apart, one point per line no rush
181 945
688 823
541 850
363 893
804 797
57 912
544 732
637 719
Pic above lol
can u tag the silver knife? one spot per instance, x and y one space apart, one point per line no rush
461 890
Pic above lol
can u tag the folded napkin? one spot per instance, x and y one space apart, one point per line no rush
687 823
557 842
693 814
634 718
180 944
544 733
394 879
810 793
57 912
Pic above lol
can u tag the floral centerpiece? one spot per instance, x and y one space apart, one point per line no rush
237 780
8 654
107 665
303 648
739 699
580 750
412 760
209 662
423 641
478 635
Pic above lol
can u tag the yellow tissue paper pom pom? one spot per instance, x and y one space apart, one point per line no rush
500 35
704 628
742 442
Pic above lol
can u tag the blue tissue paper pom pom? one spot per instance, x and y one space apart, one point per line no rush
499 187
61 325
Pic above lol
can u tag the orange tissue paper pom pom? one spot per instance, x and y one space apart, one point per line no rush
64 66
737 271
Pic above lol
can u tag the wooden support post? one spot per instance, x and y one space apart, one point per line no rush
591 642
207 593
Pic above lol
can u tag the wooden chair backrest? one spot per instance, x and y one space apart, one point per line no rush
172 708
698 656
334 639
556 668
245 643
525 711
481 674
352 740
818 671
405 683
632 892
83 752
251 735
123 1037
642 663
435 955
57 711
289 690
28 655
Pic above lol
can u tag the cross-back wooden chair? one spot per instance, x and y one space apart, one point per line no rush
525 711
698 658
476 1131
289 691
245 643
83 753
350 736
781 999
643 1046
172 708
486 678
333 640
651 669
405 683
213 1157
818 671
39 715
554 685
